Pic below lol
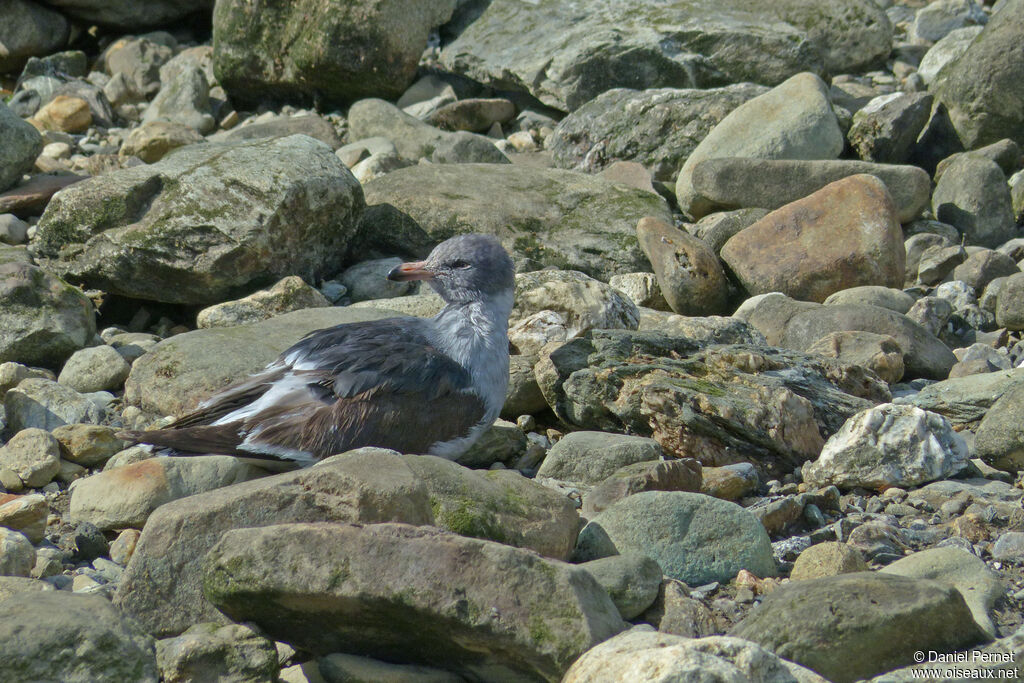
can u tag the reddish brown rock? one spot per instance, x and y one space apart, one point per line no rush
690 275
29 199
844 235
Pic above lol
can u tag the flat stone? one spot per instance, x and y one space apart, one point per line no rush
287 295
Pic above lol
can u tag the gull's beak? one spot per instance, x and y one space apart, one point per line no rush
416 270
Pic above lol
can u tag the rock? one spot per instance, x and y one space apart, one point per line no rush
544 217
936 264
17 556
498 505
503 442
64 113
973 196
87 445
97 368
999 441
794 120
658 128
685 44
352 53
475 115
152 141
889 445
1009 547
689 274
31 197
887 128
798 325
999 656
879 353
367 280
313 125
13 585
32 454
13 230
187 368
22 144
126 496
730 482
1009 303
1005 153
287 295
25 514
695 538
653 475
308 212
162 588
53 635
980 587
983 266
12 374
651 656
933 22
873 295
354 152
463 148
29 30
720 404
42 318
716 229
983 110
842 236
641 288
631 581
555 306
523 588
773 183
133 345
827 559
523 397
45 404
917 245
235 652
184 99
883 620
139 61
414 139
676 613
592 457
946 50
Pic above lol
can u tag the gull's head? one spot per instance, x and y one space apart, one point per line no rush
463 269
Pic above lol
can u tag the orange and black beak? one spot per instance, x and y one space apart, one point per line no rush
415 270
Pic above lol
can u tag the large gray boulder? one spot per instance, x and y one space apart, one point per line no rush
187 368
544 217
880 619
340 51
22 144
43 320
382 590
658 128
986 110
206 223
565 58
56 636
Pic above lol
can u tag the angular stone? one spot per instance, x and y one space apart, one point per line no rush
64 113
689 274
43 319
196 226
889 445
183 98
887 127
127 496
695 538
544 217
883 620
288 294
340 53
161 587
733 182
279 576
842 236
53 635
793 120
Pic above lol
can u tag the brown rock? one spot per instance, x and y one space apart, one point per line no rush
474 115
656 475
26 514
729 482
827 559
64 113
29 199
690 275
879 353
844 235
677 613
151 141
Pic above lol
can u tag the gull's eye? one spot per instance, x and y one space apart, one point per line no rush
459 263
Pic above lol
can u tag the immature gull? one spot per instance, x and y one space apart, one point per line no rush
416 385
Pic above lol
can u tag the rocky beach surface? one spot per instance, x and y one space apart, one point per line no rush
765 419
